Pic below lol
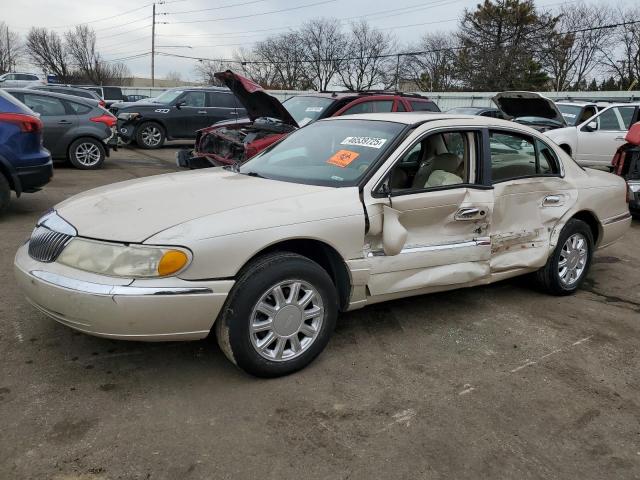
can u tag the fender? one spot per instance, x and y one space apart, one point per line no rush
9 171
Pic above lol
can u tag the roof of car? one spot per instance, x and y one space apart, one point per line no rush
72 98
416 118
356 94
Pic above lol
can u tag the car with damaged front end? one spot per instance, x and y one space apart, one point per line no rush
341 214
269 120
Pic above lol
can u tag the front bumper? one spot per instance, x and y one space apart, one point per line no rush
126 130
148 310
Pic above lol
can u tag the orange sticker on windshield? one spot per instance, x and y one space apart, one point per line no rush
342 158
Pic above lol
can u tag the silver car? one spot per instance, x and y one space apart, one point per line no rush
75 129
21 80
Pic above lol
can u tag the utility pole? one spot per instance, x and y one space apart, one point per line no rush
153 46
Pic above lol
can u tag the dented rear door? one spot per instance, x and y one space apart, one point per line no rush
530 197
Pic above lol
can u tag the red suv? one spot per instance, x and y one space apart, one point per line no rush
235 141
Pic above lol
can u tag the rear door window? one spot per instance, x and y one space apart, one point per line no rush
373 106
419 106
516 156
79 108
45 106
221 100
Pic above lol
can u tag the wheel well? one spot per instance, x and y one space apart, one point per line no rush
566 148
590 219
324 255
157 122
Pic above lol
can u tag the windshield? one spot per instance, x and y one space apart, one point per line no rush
168 97
571 113
335 153
306 109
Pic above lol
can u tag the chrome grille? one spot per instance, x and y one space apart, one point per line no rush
45 245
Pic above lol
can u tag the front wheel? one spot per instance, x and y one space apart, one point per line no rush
279 316
569 263
150 135
87 154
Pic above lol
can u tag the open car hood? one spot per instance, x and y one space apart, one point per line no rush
528 104
255 100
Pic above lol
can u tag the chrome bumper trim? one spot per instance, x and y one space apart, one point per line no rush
102 289
617 218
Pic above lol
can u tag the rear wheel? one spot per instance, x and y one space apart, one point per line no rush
569 263
87 154
5 193
280 315
150 135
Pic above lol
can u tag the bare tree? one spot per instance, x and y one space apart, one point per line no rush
46 49
324 47
253 67
434 68
283 54
368 62
173 76
622 58
10 48
575 49
206 69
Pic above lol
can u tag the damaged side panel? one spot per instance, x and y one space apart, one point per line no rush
526 213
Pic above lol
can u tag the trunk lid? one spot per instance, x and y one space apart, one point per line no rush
528 104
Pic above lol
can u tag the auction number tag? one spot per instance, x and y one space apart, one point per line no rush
314 109
372 142
342 158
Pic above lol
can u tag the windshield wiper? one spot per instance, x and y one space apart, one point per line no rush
254 174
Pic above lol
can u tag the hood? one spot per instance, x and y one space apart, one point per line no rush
254 99
134 210
528 104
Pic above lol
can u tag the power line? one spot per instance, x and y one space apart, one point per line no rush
124 24
218 8
257 14
104 19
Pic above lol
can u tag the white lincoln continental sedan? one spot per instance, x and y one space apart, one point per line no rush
343 213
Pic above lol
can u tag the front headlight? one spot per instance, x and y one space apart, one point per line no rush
126 116
118 260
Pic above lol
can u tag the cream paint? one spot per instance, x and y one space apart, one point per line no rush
522 222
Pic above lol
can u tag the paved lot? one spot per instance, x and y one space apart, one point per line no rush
494 382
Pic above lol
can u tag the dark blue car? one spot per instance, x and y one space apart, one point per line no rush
25 165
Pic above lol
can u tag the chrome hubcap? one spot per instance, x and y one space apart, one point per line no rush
573 259
151 136
88 154
286 320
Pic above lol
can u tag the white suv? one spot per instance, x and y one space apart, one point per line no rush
595 140
20 80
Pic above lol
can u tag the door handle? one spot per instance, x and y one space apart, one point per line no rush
233 112
202 111
469 213
552 200
620 138
64 122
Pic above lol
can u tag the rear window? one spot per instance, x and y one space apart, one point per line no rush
423 106
112 93
10 104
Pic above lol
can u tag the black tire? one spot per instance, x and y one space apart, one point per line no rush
5 193
233 327
147 131
548 277
87 153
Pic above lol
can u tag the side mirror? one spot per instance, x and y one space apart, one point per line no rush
394 235
590 127
180 104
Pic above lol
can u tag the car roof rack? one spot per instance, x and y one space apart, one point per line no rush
374 92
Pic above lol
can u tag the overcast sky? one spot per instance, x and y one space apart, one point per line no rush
215 33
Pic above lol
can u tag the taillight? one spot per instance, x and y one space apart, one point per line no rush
108 119
27 123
